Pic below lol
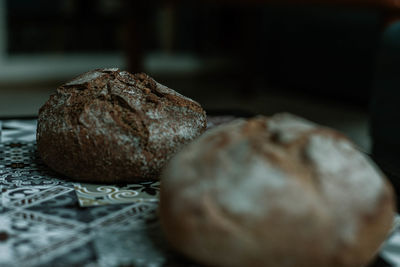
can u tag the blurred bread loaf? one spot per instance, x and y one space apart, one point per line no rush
275 191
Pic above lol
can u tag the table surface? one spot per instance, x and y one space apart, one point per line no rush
46 220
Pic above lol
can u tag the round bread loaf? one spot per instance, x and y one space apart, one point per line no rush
112 126
277 191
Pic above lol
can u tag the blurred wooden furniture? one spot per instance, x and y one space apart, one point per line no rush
137 26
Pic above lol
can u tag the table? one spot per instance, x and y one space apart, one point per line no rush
47 220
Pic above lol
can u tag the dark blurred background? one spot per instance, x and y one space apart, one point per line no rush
323 62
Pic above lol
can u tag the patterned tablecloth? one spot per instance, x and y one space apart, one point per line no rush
46 220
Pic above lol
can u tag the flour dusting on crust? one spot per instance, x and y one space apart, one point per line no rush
287 127
349 182
110 125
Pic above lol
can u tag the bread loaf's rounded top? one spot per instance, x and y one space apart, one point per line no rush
286 163
117 125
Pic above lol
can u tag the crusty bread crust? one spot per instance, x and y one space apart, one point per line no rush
111 126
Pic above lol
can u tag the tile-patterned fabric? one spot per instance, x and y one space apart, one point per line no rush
46 220
101 194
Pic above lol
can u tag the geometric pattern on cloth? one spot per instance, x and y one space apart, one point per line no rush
104 194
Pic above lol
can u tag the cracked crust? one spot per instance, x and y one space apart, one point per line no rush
112 126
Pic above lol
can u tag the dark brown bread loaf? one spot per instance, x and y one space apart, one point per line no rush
277 191
112 126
